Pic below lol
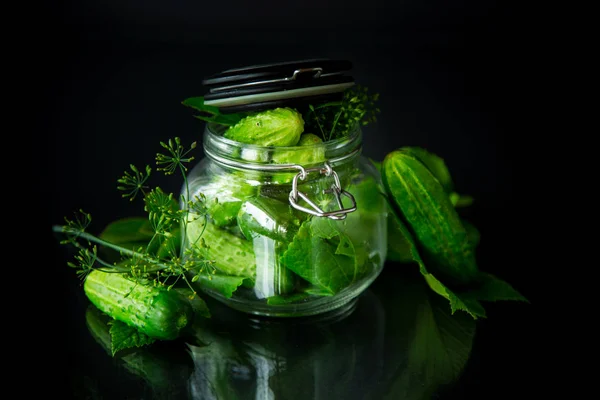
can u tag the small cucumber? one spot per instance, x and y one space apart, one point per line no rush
155 311
223 195
277 127
307 152
429 213
233 255
269 217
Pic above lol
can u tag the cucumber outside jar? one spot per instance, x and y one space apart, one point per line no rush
291 220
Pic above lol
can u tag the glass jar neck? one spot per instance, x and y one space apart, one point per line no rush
247 156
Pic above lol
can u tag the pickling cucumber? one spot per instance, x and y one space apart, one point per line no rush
269 217
277 127
233 256
155 311
425 206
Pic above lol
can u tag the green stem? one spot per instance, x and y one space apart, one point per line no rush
337 117
186 211
92 238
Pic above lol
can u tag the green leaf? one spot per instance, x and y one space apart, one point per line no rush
123 336
324 256
136 232
211 113
198 304
128 230
376 164
492 288
224 284
458 302
278 300
400 248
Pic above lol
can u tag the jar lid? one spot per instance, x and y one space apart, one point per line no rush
293 83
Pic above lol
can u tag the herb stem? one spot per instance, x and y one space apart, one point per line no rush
185 206
92 238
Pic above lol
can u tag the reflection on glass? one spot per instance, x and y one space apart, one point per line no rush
398 342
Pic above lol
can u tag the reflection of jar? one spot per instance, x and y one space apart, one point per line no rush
271 255
337 355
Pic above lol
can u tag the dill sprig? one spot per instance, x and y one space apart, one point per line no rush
134 183
336 119
176 157
165 260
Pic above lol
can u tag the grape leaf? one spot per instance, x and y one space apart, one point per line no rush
399 246
128 230
277 300
489 287
223 284
324 256
123 336
458 302
198 304
492 288
210 113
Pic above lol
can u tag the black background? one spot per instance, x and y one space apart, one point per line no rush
450 77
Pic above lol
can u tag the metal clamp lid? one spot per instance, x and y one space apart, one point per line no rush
279 84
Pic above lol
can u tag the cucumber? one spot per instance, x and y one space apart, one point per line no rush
233 255
311 154
277 127
155 311
269 217
223 196
428 211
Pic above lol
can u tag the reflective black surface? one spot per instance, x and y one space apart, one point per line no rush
398 341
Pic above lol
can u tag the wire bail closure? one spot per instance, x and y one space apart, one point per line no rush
336 189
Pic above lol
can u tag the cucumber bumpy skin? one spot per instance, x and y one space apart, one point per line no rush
233 256
155 311
277 127
428 211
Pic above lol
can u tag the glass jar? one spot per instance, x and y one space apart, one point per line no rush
284 239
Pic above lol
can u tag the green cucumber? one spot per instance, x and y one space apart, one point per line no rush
277 127
425 206
223 196
306 152
155 311
233 255
435 164
269 217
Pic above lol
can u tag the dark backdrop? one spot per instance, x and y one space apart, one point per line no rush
449 74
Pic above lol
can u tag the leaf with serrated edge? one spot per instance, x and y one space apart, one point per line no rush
457 302
492 288
123 336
